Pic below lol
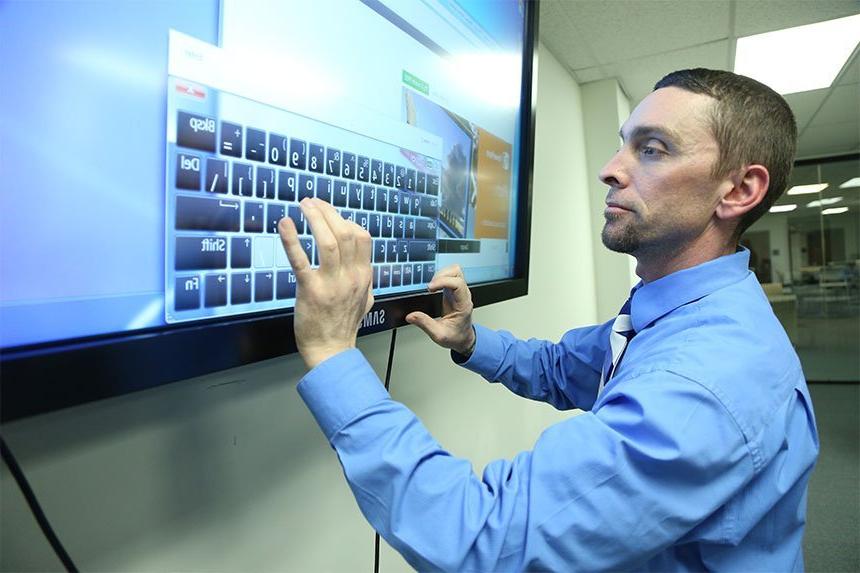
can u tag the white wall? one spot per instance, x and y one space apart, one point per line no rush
776 225
229 472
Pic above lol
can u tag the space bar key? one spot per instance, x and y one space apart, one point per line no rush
203 214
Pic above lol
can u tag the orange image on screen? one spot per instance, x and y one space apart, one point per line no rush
493 176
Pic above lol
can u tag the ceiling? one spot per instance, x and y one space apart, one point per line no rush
639 41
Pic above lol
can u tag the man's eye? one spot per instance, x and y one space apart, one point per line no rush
648 150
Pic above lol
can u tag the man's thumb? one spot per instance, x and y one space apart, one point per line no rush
425 323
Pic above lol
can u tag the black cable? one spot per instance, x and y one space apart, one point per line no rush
27 491
387 382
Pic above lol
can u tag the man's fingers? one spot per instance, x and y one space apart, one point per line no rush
341 229
450 271
430 326
325 239
295 253
456 285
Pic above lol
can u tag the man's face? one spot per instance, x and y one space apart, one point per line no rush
662 196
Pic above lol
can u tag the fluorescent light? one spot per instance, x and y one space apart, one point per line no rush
804 189
855 182
782 208
824 202
801 58
834 210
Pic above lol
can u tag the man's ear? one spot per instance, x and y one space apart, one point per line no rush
749 187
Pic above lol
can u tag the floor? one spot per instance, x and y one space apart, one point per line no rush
832 542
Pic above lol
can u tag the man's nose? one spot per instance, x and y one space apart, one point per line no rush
613 173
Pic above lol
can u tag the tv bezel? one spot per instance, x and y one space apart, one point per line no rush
40 378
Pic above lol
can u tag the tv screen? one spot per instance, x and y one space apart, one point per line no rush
149 150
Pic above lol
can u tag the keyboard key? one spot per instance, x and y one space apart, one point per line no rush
254 217
362 170
410 180
375 225
316 158
307 186
354 196
387 226
384 276
281 260
286 185
255 144
433 184
264 252
422 251
375 277
278 149
324 189
263 283
298 152
216 291
391 251
400 177
399 227
421 182
243 179
195 131
309 248
231 139
204 214
295 213
410 228
407 275
240 288
405 201
429 206
396 275
415 203
341 194
200 253
265 183
362 219
388 175
381 199
368 197
187 172
425 229
376 172
348 166
186 293
240 252
379 251
393 201
217 175
332 162
416 274
429 270
286 285
274 213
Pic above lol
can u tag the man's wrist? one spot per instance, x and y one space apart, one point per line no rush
319 354
469 347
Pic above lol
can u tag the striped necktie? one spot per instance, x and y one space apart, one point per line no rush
622 332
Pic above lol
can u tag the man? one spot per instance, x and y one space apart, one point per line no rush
699 436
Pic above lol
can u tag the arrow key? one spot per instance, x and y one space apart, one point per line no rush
263 286
240 252
216 290
240 288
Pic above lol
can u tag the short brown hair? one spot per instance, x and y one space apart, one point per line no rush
751 123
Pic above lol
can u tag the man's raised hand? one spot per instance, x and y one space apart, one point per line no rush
454 329
330 300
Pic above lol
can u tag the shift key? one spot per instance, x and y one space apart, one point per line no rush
200 253
204 214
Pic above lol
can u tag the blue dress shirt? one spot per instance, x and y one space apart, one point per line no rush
695 456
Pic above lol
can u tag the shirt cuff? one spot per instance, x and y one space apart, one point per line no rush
487 354
339 388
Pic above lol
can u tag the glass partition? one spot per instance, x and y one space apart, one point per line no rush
806 254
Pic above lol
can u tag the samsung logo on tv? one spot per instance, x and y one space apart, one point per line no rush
373 318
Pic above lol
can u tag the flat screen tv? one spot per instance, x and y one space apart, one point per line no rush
149 149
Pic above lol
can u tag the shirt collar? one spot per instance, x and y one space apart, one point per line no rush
660 297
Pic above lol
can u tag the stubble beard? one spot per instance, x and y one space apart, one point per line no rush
620 236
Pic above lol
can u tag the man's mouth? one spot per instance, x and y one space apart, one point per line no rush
615 208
